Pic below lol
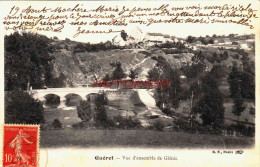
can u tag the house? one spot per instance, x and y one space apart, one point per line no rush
243 45
133 39
223 41
167 38
193 46
181 41
174 39
198 43
154 39
118 40
151 39
137 34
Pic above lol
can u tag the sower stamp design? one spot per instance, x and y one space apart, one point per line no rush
21 144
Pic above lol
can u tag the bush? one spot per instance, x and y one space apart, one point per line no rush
57 124
97 112
245 131
22 108
184 125
125 123
83 125
85 112
158 125
167 111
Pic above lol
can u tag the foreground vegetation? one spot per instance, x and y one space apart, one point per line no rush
138 138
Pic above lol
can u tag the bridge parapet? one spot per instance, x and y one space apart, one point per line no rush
62 92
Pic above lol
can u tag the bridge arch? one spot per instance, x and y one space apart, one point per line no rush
52 100
73 99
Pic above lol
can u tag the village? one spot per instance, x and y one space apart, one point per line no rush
138 39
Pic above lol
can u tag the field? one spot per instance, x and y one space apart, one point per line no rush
69 137
66 117
138 138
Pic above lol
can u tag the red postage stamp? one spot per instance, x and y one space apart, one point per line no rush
21 143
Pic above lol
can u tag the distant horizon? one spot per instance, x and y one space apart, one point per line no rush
115 34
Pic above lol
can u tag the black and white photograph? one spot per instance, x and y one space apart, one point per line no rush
147 84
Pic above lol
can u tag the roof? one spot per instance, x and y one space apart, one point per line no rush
115 37
224 40
139 29
155 41
155 34
166 36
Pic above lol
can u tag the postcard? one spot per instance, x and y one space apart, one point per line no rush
129 83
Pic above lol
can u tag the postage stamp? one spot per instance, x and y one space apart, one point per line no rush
21 143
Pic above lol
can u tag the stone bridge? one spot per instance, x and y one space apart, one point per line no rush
41 94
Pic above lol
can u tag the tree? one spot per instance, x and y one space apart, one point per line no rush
22 108
106 78
217 72
238 106
217 57
224 56
194 70
211 41
118 73
203 40
231 36
234 81
198 57
163 70
247 85
190 39
85 112
124 35
133 74
235 90
58 82
97 110
210 106
100 110
56 124
27 60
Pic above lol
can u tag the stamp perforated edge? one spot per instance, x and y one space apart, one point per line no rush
24 125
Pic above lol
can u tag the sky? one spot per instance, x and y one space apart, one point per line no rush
173 29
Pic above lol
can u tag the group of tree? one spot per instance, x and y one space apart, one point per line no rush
241 82
211 57
28 61
133 74
118 72
204 94
88 47
171 94
96 111
203 40
193 70
22 108
197 67
210 103
242 86
173 47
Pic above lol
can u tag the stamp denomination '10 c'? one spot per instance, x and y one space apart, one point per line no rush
21 144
